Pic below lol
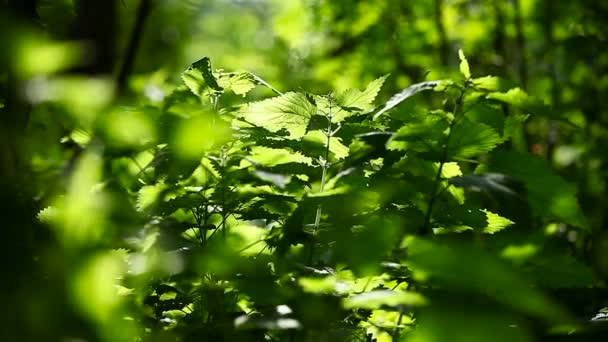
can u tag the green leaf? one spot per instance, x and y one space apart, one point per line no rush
471 139
467 268
496 222
548 194
407 93
198 77
464 65
290 111
379 298
267 156
423 133
239 82
355 99
337 150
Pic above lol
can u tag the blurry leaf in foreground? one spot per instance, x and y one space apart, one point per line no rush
94 291
469 269
196 135
378 298
548 193
460 322
36 56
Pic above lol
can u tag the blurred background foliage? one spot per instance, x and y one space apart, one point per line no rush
89 243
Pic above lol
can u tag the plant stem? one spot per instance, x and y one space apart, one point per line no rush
396 332
324 166
444 158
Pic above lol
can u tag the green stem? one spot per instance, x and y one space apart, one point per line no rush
444 158
324 166
396 332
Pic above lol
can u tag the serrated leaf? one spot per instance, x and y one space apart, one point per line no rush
450 170
425 133
239 82
199 76
548 194
496 222
464 65
48 215
148 196
380 298
267 156
336 148
358 99
471 139
290 111
405 94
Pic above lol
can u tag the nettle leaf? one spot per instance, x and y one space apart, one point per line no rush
336 149
496 222
488 114
472 270
198 77
471 139
407 93
520 99
290 111
464 65
353 100
491 83
239 82
267 156
548 194
424 133
381 298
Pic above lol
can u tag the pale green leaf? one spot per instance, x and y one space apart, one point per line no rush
290 111
464 65
337 150
407 93
267 156
199 77
379 298
239 82
496 222
352 100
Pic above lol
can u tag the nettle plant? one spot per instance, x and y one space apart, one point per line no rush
323 217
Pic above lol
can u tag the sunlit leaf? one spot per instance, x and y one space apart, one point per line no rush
464 65
352 100
199 76
291 111
405 94
472 139
379 298
496 222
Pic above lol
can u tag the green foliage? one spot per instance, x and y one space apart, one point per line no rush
220 208
257 217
